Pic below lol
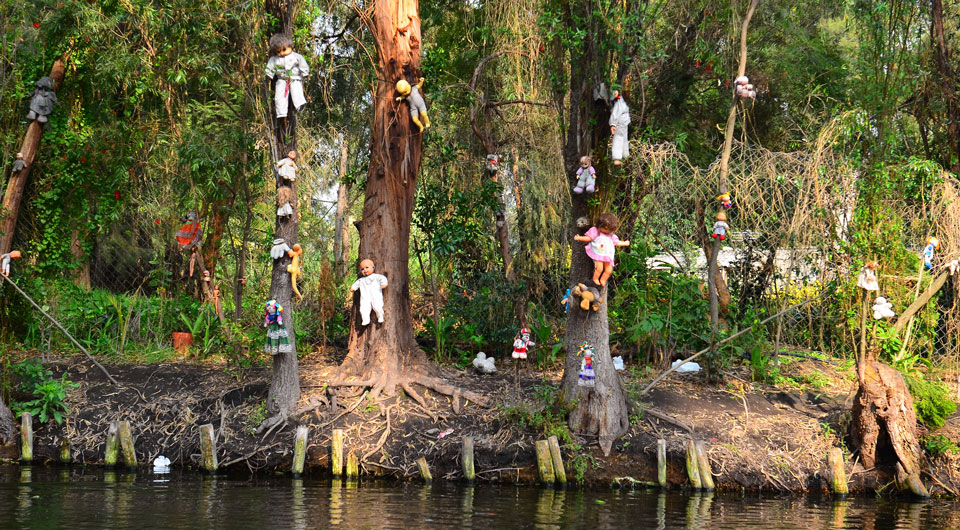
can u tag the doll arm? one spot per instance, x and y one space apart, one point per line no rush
355 286
420 82
383 281
304 67
584 239
623 243
271 66
579 172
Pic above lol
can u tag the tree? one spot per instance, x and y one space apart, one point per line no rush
384 356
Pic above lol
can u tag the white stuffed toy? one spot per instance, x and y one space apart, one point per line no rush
882 308
484 364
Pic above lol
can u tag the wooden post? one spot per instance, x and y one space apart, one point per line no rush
353 465
17 181
208 448
466 458
113 445
336 453
424 470
126 445
838 475
26 437
300 449
693 468
65 451
544 462
703 463
559 472
662 462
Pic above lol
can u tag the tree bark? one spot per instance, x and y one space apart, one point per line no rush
341 235
285 380
8 431
600 410
883 416
31 142
948 83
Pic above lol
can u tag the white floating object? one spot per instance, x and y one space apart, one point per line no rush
161 464
690 367
484 364
618 363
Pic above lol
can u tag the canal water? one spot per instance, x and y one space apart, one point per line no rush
44 497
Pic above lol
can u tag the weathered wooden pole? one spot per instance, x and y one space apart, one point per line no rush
126 444
336 453
208 448
15 186
544 462
424 470
353 465
466 458
838 475
703 464
26 437
662 462
693 468
559 473
113 445
300 449
65 451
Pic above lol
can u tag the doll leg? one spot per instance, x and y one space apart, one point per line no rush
365 307
426 119
296 93
416 120
607 269
378 309
581 182
280 98
591 183
597 269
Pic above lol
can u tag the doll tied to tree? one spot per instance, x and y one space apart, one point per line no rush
278 341
586 176
418 107
371 286
602 243
288 68
619 122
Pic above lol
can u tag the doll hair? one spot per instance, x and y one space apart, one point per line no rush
278 42
585 161
608 222
721 216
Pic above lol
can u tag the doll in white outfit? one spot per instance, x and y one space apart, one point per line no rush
289 68
371 288
619 120
287 167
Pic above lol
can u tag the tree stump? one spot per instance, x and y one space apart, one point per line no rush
883 417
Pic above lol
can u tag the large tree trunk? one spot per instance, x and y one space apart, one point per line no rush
285 381
948 83
883 418
8 432
384 356
600 410
341 234
31 142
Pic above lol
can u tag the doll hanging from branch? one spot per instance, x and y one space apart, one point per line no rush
294 268
289 68
619 122
602 246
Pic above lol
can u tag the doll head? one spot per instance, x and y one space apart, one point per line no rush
281 45
292 155
403 87
19 156
607 223
935 242
721 215
585 162
272 307
524 334
367 267
14 254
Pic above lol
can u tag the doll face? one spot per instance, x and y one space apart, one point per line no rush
292 155
285 51
367 267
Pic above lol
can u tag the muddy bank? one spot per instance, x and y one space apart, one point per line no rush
758 437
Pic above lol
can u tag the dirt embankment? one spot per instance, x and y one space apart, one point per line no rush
758 437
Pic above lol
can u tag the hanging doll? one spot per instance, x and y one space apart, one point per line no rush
290 68
493 164
933 244
5 261
294 268
18 164
602 246
744 88
287 167
43 98
586 377
277 339
566 302
868 277
371 286
619 120
725 200
418 106
882 308
189 237
284 198
521 344
279 248
587 176
720 227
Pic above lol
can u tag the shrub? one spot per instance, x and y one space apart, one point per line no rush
48 394
931 401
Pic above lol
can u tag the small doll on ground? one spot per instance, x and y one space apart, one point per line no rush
5 261
287 168
619 120
602 246
587 176
418 107
720 227
587 376
521 343
277 339
933 244
289 67
371 288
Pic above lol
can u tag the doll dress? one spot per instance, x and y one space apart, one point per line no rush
603 246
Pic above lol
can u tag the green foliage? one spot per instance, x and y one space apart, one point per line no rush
545 413
930 400
937 445
48 394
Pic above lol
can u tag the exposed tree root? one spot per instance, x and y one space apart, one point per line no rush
386 385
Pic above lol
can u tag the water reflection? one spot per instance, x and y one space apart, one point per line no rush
81 497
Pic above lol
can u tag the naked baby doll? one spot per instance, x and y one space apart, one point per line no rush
602 246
